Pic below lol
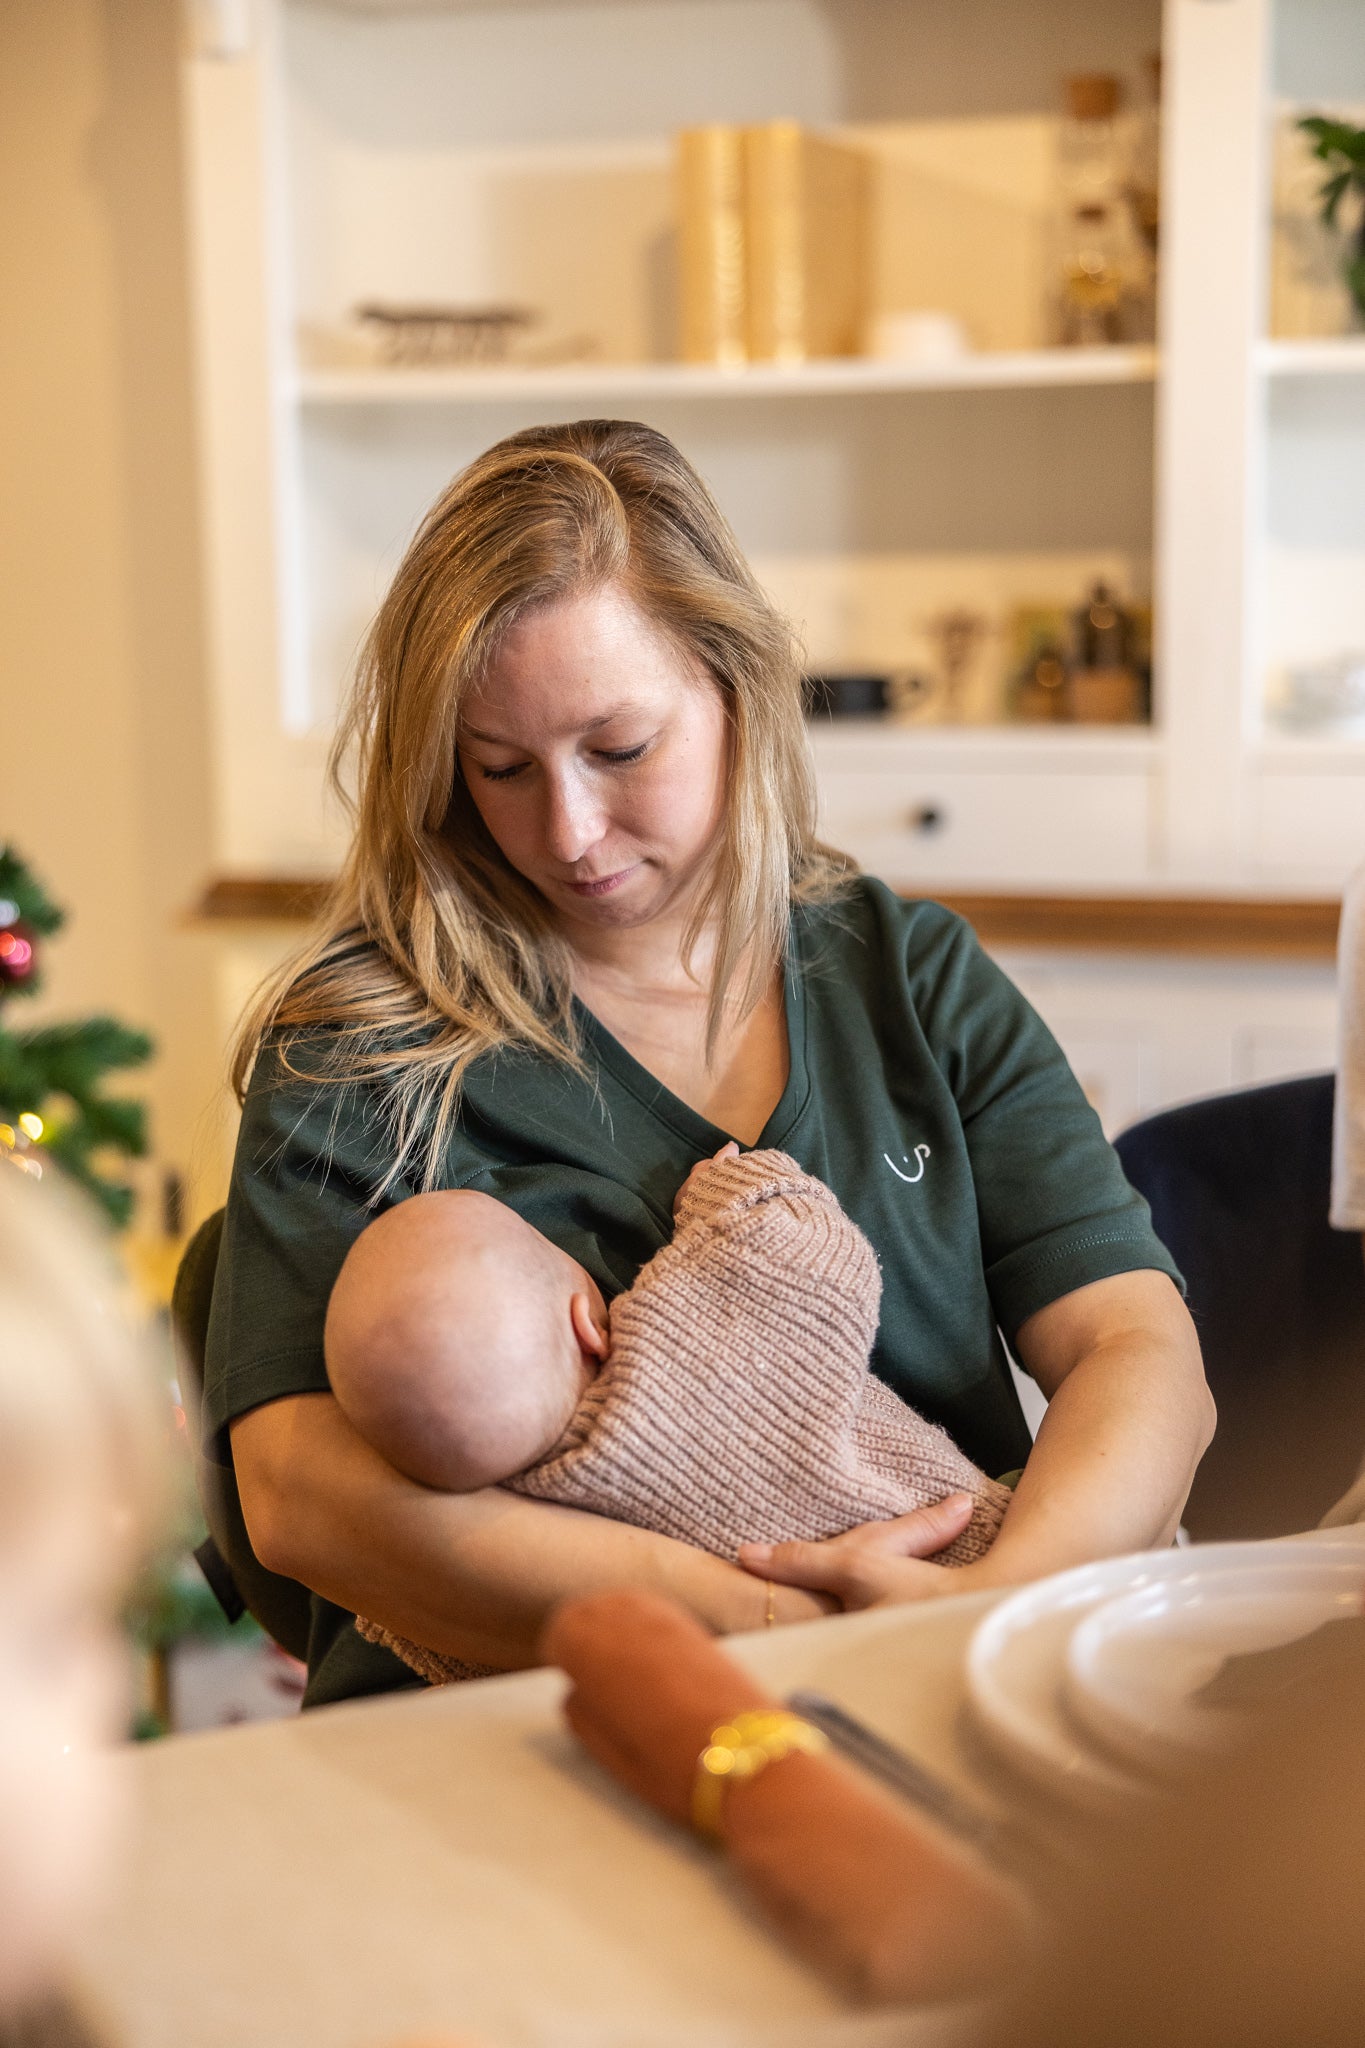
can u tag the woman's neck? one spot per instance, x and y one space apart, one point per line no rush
643 961
647 998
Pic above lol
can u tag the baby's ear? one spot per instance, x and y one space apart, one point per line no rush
591 1335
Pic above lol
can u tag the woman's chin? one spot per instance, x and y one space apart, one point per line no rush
635 896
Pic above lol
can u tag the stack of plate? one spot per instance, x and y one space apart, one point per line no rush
1087 1684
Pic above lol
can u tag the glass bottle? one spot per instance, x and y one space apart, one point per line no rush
1143 184
1091 227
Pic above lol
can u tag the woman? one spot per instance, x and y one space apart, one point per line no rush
585 933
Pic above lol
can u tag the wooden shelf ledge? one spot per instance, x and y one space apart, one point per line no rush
1300 928
1303 928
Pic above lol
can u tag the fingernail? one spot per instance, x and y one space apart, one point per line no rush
760 1552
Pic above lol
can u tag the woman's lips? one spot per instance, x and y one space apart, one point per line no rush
603 886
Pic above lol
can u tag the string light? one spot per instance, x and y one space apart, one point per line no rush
31 1124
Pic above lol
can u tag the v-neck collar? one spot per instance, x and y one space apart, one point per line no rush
704 1137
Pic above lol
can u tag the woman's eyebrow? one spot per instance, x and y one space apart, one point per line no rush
493 739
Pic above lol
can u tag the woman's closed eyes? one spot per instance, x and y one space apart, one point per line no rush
617 757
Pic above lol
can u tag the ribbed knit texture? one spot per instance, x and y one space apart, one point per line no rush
737 1405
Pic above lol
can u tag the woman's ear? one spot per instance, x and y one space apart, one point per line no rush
592 1336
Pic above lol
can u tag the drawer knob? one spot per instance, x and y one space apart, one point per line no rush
927 818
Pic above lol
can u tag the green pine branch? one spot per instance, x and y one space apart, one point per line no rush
57 1071
21 887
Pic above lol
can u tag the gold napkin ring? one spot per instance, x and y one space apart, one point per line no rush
742 1747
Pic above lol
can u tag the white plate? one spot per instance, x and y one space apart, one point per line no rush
1016 1664
1134 1664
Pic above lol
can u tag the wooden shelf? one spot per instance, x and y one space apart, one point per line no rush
1285 928
1006 370
1335 356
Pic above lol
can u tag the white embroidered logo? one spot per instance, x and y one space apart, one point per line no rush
921 1154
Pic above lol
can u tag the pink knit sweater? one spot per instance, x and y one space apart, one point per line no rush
737 1404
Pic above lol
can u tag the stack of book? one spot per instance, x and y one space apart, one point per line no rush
772 245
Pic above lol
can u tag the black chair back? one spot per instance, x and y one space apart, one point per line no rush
238 1578
1238 1187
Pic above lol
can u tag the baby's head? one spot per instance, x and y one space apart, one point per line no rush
459 1340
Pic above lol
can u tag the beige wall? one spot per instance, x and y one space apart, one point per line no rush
104 785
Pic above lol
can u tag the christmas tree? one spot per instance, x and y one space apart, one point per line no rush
51 1100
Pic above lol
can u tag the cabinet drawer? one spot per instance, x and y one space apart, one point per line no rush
1013 830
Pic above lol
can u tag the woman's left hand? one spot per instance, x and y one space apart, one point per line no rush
878 1564
1128 1418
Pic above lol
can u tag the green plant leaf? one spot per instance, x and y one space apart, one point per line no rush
1331 137
1332 194
1355 281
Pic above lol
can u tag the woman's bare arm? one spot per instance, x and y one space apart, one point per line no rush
1129 1418
473 1575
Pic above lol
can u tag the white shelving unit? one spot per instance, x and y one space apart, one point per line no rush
342 150
1338 356
1006 370
1304 806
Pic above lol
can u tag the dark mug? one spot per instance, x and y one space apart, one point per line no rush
841 696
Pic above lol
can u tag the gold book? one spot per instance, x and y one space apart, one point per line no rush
711 245
806 241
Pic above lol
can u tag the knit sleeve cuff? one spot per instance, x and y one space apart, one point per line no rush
729 1186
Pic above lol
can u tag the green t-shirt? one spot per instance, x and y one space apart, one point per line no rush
923 1090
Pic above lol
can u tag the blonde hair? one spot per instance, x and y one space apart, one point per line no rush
77 1404
432 950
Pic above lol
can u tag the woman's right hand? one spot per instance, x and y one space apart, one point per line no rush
878 1564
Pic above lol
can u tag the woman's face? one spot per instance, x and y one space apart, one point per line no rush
596 755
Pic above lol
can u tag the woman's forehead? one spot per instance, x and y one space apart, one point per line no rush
577 665
481 721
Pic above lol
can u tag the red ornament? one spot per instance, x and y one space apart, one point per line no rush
18 953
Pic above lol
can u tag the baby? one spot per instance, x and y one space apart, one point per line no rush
726 1399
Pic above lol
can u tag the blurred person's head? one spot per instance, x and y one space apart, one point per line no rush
470 946
1233 1914
78 1465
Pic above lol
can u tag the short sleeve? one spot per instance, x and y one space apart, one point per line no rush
1348 1134
310 1158
1055 1209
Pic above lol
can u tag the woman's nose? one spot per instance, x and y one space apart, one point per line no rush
573 821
